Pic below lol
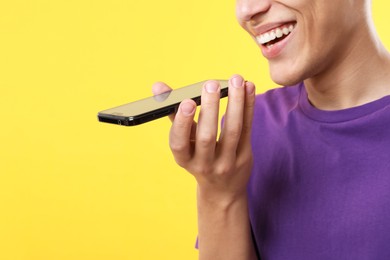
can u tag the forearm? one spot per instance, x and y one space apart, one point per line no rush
224 229
221 165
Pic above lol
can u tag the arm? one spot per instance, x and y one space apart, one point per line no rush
221 167
224 230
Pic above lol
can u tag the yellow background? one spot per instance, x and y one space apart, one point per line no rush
73 188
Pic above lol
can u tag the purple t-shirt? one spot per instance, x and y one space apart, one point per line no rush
320 186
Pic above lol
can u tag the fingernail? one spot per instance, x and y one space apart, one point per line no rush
237 81
250 88
212 86
187 108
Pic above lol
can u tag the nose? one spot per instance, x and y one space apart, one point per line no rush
247 10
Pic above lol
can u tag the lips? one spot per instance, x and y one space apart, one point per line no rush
272 38
275 34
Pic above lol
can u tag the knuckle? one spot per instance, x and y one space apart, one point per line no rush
234 132
210 99
180 123
202 169
224 168
206 140
250 106
177 147
209 105
246 129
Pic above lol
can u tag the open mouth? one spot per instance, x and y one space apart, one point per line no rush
275 35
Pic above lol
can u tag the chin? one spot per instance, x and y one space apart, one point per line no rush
286 79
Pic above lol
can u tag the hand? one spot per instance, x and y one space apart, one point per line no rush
221 165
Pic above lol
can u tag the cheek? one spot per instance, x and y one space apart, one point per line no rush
306 58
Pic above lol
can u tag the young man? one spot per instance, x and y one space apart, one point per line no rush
303 173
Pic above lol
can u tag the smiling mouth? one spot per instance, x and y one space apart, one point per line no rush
275 35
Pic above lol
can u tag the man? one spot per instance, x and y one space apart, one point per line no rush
307 168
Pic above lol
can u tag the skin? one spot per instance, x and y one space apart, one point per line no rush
342 63
330 50
221 167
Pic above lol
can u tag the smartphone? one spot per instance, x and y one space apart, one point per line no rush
155 107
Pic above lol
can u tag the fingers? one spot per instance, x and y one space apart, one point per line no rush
182 132
233 124
207 130
193 143
159 88
250 96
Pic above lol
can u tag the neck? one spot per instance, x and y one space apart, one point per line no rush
360 75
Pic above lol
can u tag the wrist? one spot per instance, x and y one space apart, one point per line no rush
223 222
218 200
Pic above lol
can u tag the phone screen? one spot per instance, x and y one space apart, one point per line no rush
154 107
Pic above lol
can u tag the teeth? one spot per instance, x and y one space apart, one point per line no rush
276 33
273 35
279 33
